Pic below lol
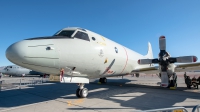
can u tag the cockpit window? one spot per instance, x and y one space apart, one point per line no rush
8 67
82 35
67 33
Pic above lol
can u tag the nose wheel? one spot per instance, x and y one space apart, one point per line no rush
81 92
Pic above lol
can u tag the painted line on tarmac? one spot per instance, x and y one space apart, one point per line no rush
69 103
18 107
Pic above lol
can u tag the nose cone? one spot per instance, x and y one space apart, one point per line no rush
15 52
35 55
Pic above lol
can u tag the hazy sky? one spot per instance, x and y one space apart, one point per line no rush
131 23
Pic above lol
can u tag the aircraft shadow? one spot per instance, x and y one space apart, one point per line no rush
151 98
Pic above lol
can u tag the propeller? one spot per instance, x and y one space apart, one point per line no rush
164 58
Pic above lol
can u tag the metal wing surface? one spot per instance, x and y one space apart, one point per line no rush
187 67
147 70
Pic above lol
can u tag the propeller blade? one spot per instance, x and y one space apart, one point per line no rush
186 59
147 61
183 59
144 61
162 43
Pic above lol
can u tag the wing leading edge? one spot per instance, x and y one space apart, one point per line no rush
147 70
187 67
178 68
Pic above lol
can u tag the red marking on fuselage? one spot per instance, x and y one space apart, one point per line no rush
61 74
126 60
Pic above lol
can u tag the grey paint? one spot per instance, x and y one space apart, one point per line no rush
16 70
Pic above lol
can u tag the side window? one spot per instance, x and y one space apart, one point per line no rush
82 35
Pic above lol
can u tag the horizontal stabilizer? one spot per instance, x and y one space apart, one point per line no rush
74 80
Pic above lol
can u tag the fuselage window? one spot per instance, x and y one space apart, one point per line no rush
67 33
82 35
93 38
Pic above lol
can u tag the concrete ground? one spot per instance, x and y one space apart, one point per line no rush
127 94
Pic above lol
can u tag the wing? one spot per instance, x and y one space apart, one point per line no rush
187 67
179 68
147 70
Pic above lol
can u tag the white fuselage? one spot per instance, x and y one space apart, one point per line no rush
99 57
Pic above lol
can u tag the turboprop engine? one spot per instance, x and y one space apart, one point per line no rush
164 60
164 57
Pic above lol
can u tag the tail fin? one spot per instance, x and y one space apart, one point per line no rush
150 52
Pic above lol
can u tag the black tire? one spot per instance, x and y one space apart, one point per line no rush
84 93
100 80
104 80
78 93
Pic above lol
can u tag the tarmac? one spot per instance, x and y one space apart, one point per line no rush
128 95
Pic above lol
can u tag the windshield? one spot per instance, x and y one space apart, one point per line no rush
67 33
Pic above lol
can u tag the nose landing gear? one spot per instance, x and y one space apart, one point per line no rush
81 92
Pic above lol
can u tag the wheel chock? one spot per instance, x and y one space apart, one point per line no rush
99 82
172 88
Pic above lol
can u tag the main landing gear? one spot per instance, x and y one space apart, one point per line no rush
81 92
103 80
173 81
